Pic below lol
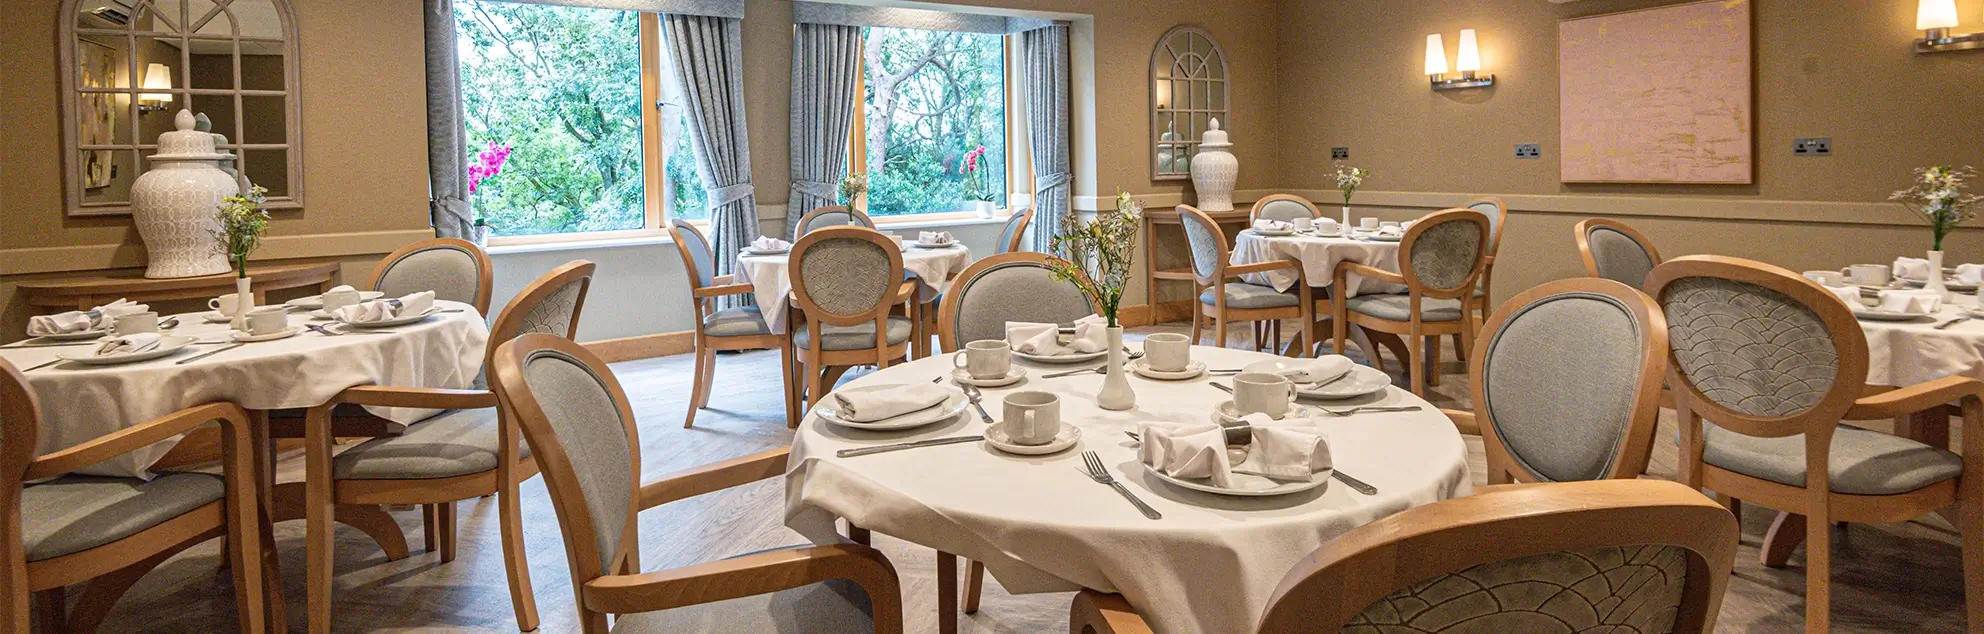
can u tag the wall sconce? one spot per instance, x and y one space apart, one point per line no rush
157 77
1935 18
1468 62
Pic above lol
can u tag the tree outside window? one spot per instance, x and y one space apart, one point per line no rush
935 116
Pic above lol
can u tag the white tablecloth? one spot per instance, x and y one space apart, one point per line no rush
771 278
80 403
1040 525
1318 257
1905 353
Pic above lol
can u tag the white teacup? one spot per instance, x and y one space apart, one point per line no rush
1168 352
339 299
1826 278
1032 418
224 304
135 323
1326 225
1304 224
986 359
268 320
1367 224
1868 274
1263 393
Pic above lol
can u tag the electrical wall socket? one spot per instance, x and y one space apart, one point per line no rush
1529 151
1812 146
1339 153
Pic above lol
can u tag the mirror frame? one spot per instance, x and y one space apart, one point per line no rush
70 38
1161 57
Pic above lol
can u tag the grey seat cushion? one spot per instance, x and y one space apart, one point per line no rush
1863 462
856 337
1399 307
832 607
1242 295
736 322
72 514
452 443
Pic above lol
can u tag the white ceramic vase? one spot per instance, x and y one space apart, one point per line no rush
1215 171
984 208
244 301
176 203
1116 393
1346 217
1935 280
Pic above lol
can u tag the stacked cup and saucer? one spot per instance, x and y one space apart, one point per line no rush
1272 395
1168 357
1032 426
987 363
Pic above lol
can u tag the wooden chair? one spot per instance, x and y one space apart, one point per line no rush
1283 207
1012 237
1566 383
456 270
1764 364
66 529
1616 252
1017 286
464 452
1498 214
741 328
575 416
831 216
1615 555
1221 301
845 283
1440 259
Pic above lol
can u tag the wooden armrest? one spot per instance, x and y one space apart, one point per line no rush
711 478
131 439
1920 397
1369 271
1464 421
722 290
1105 613
1263 267
751 575
907 291
422 397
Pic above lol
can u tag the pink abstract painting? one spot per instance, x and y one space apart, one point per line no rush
1658 95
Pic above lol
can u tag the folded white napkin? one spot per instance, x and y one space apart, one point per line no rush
1391 231
1911 301
1091 335
934 237
383 309
1970 273
1911 268
1850 295
1325 368
873 405
1186 450
130 344
1288 452
768 243
1270 224
78 321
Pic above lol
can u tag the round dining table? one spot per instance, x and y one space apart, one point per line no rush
1040 524
1319 255
771 279
83 402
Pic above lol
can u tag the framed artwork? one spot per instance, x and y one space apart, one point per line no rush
97 67
1659 95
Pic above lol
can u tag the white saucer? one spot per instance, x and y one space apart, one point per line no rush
1063 440
751 251
243 337
921 245
949 409
1227 412
79 335
1948 282
1249 485
314 302
1376 237
1192 370
166 347
396 321
1013 375
215 317
1871 314
1062 358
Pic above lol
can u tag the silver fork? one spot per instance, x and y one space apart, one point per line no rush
1100 474
1370 408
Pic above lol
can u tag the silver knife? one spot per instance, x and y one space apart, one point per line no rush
17 346
863 451
1354 483
208 353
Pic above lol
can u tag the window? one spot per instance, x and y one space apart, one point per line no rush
930 131
571 92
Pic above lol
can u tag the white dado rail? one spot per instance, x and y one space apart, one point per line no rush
1691 207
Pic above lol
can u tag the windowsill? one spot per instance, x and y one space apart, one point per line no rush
920 222
577 242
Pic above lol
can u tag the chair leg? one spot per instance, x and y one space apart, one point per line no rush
947 593
430 527
699 392
319 509
49 607
1786 532
1970 525
974 585
1818 571
516 563
1219 331
1198 316
1432 348
789 386
813 387
1415 364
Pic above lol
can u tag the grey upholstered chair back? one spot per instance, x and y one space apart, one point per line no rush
831 217
1612 589
1208 242
1445 253
1495 213
1014 224
1618 256
585 421
1285 211
1014 291
550 305
1559 381
1750 349
452 272
844 276
692 242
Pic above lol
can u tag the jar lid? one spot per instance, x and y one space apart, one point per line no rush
1214 137
185 143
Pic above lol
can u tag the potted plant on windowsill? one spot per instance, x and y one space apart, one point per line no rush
242 223
975 188
1937 196
487 165
1095 256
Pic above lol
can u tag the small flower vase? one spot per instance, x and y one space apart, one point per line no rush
479 234
984 208
1935 279
1116 393
1346 217
244 301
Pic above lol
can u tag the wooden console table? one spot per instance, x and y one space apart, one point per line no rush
1164 234
84 293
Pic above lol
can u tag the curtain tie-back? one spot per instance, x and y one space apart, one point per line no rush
1048 181
720 196
455 207
817 189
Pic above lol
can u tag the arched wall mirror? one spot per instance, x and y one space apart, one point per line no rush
1188 80
130 65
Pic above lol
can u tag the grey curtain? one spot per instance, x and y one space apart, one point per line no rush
715 8
447 141
1044 71
826 78
709 59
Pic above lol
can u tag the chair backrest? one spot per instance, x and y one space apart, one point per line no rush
20 429
1014 232
1616 252
550 304
1008 287
1613 555
845 275
1283 207
456 270
831 216
581 431
1444 252
1757 349
1497 213
1208 242
697 259
1566 382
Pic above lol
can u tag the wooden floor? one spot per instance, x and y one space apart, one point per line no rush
1887 578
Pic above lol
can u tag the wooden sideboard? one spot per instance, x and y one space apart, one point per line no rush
84 293
1168 258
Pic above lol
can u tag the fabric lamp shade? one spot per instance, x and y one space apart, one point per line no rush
1469 58
157 77
1935 14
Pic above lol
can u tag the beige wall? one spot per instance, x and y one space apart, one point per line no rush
1350 75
